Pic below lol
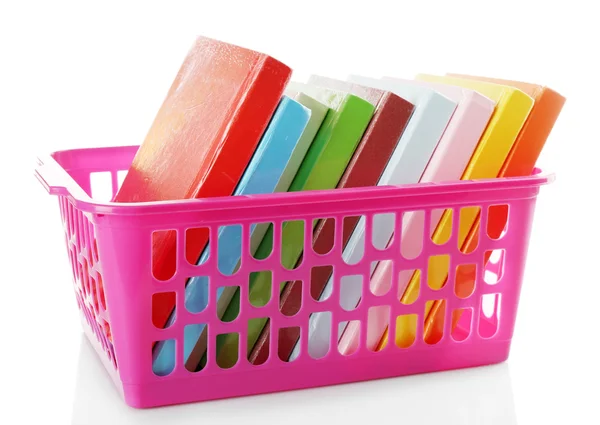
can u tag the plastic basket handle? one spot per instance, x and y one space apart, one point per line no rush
56 180
50 175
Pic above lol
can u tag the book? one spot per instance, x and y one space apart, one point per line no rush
370 158
512 109
278 173
322 168
201 141
265 173
520 161
448 162
430 117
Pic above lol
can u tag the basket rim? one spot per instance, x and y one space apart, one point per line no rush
57 181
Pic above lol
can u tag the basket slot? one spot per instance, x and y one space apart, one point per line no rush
489 315
103 185
464 324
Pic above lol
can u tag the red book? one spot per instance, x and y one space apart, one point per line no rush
202 140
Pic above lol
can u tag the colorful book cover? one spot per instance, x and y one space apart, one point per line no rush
512 109
201 141
322 168
370 158
428 122
448 162
521 161
318 112
265 170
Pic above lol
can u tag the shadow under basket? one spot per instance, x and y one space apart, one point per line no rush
110 251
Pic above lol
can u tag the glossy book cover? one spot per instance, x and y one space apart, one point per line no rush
282 129
201 141
449 160
419 140
368 162
521 161
512 109
322 168
263 174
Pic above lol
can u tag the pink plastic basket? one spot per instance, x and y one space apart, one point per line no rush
109 247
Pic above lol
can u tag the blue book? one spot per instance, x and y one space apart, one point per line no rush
279 146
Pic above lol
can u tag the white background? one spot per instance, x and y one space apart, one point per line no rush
78 74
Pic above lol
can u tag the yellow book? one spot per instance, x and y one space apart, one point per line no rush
512 109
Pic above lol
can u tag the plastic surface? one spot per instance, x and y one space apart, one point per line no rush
427 124
271 169
108 247
448 163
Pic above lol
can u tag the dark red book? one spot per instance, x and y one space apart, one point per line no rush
201 141
370 159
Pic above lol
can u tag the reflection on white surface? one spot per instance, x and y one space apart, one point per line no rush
469 396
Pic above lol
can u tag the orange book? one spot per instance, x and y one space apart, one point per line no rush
520 162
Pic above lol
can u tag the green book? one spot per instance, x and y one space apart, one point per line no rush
321 169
